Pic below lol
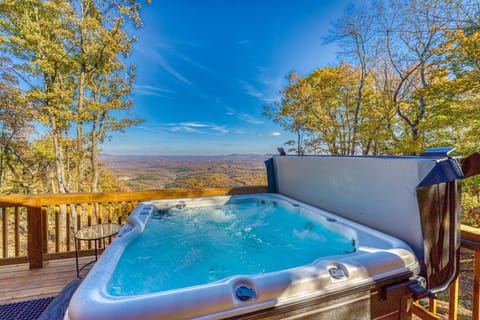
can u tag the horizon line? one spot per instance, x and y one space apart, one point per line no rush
186 155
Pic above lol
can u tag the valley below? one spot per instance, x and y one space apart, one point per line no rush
162 172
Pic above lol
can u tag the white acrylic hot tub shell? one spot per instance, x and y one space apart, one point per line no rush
378 256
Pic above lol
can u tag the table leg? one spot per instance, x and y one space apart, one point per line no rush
96 248
76 258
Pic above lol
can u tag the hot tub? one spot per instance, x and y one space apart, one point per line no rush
359 271
395 222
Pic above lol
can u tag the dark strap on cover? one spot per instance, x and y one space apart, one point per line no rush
471 165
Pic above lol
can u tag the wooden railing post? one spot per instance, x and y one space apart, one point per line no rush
35 237
17 233
44 227
4 231
471 241
453 300
476 287
432 305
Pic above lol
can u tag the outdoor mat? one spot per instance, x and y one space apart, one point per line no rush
57 308
25 310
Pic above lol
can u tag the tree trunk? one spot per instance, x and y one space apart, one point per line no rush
93 155
80 110
2 150
356 118
81 96
58 152
299 143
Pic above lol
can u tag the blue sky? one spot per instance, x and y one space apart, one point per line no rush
205 69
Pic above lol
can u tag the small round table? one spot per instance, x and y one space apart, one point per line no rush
94 233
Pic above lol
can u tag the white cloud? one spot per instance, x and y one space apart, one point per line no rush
230 111
148 128
268 94
271 134
199 128
147 90
182 128
270 81
193 62
251 91
221 129
193 127
273 98
240 131
271 84
194 124
161 61
250 119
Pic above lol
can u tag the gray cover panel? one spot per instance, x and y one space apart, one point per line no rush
377 192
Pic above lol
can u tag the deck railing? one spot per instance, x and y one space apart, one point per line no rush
38 228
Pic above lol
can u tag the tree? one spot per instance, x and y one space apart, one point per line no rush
337 120
68 54
355 32
411 33
323 110
102 78
400 46
461 87
36 36
15 127
290 111
332 115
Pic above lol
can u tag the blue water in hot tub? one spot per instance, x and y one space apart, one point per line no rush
194 246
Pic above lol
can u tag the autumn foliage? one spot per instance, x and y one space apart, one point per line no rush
408 80
62 69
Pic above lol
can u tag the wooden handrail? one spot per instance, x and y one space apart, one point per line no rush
470 237
97 197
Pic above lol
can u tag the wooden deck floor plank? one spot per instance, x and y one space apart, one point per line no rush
13 268
29 294
36 281
32 284
65 262
19 283
53 267
11 275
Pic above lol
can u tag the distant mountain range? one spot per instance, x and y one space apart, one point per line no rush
142 172
186 158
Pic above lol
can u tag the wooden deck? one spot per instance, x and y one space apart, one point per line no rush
18 283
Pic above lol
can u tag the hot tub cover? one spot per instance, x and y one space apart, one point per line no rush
414 198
